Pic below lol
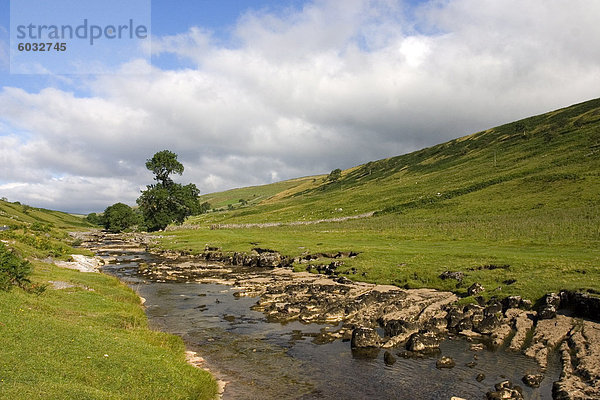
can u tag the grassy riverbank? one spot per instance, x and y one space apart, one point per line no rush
86 341
516 208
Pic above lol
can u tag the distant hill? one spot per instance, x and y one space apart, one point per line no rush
550 161
17 214
38 232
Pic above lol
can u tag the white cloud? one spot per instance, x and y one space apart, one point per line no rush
334 85
73 194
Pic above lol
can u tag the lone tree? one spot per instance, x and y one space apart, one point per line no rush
166 201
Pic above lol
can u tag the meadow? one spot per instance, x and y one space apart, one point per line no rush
87 341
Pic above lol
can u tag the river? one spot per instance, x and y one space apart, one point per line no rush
268 360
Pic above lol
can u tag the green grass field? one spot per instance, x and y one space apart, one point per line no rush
90 341
525 194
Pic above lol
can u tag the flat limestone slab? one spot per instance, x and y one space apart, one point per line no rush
81 263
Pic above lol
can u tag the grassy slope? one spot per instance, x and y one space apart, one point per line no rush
525 194
17 214
255 195
54 344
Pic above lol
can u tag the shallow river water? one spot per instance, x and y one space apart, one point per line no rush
266 360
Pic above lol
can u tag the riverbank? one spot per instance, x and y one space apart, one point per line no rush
407 323
86 336
104 243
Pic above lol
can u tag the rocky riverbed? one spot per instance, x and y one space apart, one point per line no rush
405 323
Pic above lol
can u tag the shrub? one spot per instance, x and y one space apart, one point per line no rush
204 207
39 227
13 270
334 175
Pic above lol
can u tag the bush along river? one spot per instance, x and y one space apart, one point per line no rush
271 333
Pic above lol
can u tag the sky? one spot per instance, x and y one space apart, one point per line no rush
253 92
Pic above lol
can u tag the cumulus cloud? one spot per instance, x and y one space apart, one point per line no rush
299 92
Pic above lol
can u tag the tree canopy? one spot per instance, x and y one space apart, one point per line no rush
166 201
118 217
163 164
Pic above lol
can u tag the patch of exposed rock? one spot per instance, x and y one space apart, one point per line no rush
257 258
360 307
548 334
60 285
374 316
580 356
81 263
522 322
505 390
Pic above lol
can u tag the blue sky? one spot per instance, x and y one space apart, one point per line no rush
250 92
168 18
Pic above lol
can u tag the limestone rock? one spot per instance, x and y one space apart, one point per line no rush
580 356
511 302
477 347
550 304
445 362
423 342
475 289
458 275
505 390
389 358
365 337
547 335
523 323
533 380
488 324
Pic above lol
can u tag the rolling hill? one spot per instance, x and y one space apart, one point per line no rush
550 161
525 195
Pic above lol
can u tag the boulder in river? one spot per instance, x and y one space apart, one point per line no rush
445 362
425 342
365 337
533 380
505 390
396 327
389 358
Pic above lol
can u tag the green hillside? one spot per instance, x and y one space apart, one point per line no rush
16 214
37 232
548 161
255 195
524 194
